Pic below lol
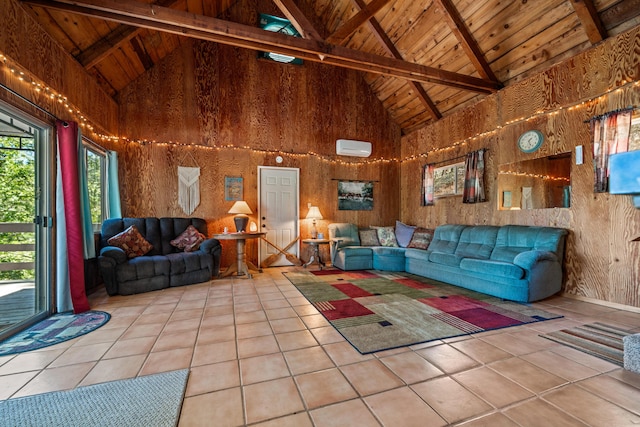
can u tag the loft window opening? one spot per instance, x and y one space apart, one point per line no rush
283 26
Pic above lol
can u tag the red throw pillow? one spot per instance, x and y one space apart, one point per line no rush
131 242
421 238
189 240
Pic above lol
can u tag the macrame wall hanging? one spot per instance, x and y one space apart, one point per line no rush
189 186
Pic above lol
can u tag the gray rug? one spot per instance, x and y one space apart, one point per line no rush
152 400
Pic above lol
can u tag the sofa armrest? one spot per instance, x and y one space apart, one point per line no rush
528 259
335 244
117 254
210 245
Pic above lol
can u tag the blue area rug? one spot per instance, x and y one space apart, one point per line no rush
148 401
53 330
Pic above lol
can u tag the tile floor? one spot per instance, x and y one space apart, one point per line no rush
261 355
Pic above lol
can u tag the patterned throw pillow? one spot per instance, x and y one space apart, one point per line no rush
386 236
189 240
368 237
131 242
421 238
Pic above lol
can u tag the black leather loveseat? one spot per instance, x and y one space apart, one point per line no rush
164 265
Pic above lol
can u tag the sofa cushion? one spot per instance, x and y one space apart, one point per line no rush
404 233
189 240
386 236
446 259
356 251
368 237
131 242
445 238
143 267
492 268
389 251
515 239
477 241
418 254
344 233
421 238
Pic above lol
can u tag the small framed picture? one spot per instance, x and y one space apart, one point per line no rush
232 188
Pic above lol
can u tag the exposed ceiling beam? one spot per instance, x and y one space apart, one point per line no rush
359 19
392 50
298 19
588 15
245 36
468 43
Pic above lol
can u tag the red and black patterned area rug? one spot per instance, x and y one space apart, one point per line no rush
377 310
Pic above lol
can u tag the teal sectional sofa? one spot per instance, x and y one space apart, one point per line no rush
513 262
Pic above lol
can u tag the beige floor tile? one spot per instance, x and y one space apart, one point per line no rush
217 310
130 347
217 334
14 382
513 343
539 413
480 350
371 377
206 354
491 420
271 399
257 346
100 336
343 414
306 360
263 368
213 322
191 304
297 420
324 388
164 361
250 317
132 310
164 309
273 303
54 379
221 409
618 392
250 330
30 361
527 375
85 353
438 394
182 325
343 353
560 366
173 340
410 367
447 358
492 387
137 331
214 377
287 325
305 309
281 313
402 407
315 321
295 340
153 318
593 410
327 335
114 369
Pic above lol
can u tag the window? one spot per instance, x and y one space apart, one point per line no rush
448 180
95 163
279 25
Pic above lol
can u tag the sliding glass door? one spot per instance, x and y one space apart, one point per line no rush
25 221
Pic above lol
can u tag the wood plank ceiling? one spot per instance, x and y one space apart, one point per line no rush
423 59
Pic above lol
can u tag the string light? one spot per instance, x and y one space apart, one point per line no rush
535 175
39 87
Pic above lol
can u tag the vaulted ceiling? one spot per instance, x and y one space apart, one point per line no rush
423 59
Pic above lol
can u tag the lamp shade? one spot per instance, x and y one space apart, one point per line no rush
314 213
240 207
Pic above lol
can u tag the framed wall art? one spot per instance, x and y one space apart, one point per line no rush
355 195
233 188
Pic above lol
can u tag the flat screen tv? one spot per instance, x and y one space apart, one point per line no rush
624 173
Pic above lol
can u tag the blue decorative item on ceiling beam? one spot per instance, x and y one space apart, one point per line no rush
278 25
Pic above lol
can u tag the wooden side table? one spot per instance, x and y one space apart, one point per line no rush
315 251
242 266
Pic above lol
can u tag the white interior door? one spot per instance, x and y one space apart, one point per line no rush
278 212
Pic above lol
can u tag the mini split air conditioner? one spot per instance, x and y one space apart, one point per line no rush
348 147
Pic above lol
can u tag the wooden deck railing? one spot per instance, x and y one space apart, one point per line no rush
7 227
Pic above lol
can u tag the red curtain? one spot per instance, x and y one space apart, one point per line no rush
474 178
68 148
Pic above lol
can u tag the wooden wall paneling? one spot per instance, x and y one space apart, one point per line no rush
601 262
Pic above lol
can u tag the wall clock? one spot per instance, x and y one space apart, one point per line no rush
530 141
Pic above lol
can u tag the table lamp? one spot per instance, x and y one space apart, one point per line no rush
241 209
314 213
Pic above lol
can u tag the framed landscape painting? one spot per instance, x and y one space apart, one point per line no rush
355 195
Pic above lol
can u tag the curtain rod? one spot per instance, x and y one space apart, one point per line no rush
456 158
28 101
620 110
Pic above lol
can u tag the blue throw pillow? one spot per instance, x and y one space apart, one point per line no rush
404 233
